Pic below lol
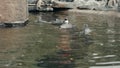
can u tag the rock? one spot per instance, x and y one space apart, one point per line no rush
96 5
13 10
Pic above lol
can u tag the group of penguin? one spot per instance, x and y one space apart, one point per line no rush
66 25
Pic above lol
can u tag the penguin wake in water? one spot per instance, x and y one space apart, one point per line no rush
57 22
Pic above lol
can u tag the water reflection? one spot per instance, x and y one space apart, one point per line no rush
105 32
50 16
103 43
60 60
98 50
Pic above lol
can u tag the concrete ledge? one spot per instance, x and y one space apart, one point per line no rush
14 24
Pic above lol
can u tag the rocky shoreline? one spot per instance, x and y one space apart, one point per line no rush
108 13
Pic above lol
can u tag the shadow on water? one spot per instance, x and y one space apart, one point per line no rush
56 61
14 25
50 16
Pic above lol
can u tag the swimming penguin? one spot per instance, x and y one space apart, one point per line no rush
66 24
66 21
86 30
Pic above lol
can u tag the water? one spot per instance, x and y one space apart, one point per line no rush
100 49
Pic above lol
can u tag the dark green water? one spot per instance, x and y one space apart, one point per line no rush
103 52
